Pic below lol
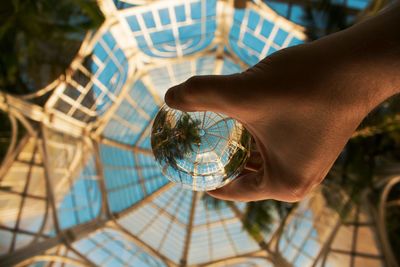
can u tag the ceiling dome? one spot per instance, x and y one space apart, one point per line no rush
81 186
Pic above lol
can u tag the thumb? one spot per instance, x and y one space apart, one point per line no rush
247 187
200 93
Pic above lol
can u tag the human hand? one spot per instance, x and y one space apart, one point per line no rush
301 105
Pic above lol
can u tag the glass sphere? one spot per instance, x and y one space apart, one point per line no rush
199 150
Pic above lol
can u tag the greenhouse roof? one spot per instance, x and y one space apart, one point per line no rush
82 188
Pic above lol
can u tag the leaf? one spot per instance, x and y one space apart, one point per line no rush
26 25
92 10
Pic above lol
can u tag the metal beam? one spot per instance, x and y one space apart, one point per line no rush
48 181
381 225
355 253
14 105
66 236
73 234
323 253
53 258
87 261
25 232
23 110
105 209
29 251
9 161
23 198
142 244
189 229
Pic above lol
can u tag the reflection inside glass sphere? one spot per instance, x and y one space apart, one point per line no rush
199 150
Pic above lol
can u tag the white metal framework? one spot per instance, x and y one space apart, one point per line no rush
79 185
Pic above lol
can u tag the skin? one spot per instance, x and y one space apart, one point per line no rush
301 104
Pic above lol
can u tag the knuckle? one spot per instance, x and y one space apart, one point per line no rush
193 83
298 194
192 89
303 188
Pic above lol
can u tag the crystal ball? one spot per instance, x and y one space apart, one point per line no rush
199 150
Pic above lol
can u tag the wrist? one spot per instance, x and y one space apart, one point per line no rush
367 58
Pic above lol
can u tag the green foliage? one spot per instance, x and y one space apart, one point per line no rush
374 147
374 7
5 135
393 220
324 17
171 142
39 38
259 216
376 144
